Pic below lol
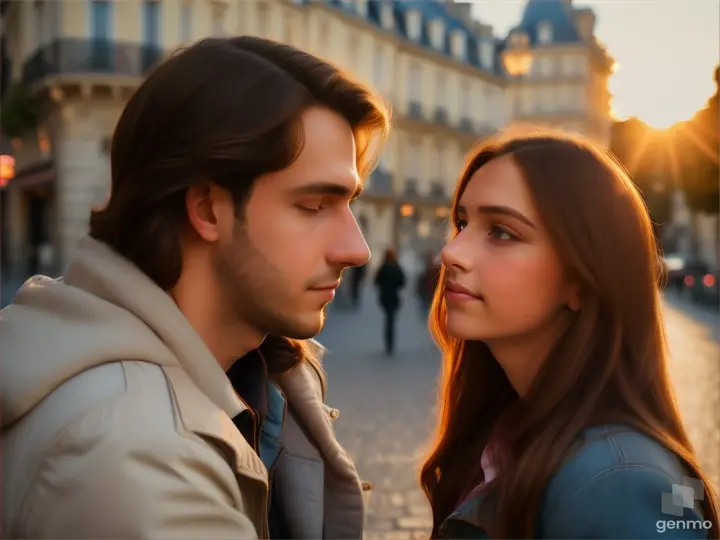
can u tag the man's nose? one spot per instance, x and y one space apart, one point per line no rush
349 247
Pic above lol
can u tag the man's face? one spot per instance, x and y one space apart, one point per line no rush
279 266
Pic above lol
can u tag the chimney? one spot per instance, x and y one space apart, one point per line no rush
461 10
585 22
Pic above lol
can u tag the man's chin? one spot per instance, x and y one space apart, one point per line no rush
306 326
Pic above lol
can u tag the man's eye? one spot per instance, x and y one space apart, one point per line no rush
310 209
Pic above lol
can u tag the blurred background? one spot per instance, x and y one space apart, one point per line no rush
640 77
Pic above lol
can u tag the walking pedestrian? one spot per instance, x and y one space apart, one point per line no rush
357 276
389 280
557 418
427 283
141 394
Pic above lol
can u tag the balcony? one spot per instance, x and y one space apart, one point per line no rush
466 125
380 184
411 188
438 193
441 116
415 110
81 57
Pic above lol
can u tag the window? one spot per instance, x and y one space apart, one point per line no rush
218 18
413 21
262 14
414 82
55 21
458 43
101 20
39 16
379 65
353 50
440 163
438 34
527 101
289 28
151 22
440 90
487 52
546 99
545 32
186 29
414 163
464 100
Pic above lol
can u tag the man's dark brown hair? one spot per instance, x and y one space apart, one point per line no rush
226 111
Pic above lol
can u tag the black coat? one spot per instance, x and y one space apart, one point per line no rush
389 280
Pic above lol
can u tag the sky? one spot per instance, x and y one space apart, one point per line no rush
666 51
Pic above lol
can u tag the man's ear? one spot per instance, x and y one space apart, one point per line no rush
200 205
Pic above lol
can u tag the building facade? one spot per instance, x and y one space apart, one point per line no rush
443 72
564 79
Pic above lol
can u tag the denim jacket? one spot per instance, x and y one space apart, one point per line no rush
619 484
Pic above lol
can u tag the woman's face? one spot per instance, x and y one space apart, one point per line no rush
504 278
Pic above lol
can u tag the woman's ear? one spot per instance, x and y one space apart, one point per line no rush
573 303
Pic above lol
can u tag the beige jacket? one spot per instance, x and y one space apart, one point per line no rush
116 422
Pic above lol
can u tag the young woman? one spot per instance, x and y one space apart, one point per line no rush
557 416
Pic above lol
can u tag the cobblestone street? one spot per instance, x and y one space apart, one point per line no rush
386 403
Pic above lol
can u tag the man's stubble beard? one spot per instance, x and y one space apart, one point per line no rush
256 292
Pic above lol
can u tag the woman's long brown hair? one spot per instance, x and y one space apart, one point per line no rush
609 367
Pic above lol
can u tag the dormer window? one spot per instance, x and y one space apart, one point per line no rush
486 52
361 7
545 33
437 34
413 22
458 42
387 17
519 39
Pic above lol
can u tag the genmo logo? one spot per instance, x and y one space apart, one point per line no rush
679 524
682 497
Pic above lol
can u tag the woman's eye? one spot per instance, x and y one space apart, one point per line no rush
460 224
499 233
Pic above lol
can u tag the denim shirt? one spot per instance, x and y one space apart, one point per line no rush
619 484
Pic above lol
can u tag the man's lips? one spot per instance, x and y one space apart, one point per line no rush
330 286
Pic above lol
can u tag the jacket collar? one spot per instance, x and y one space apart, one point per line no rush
303 389
99 270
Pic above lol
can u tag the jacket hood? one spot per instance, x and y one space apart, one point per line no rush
104 310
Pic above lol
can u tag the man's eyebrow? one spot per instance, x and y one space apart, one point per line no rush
328 188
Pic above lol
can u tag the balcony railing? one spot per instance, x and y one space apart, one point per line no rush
411 188
415 110
380 183
466 125
438 192
84 56
441 115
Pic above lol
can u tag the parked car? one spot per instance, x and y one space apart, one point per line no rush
678 266
703 288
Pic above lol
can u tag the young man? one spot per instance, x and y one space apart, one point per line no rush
126 412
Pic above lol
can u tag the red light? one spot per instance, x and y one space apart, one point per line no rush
689 281
709 280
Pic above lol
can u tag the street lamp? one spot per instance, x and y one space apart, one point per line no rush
518 57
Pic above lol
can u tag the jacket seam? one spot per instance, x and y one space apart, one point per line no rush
606 472
101 405
618 448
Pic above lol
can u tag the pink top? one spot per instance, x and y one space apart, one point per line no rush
488 467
